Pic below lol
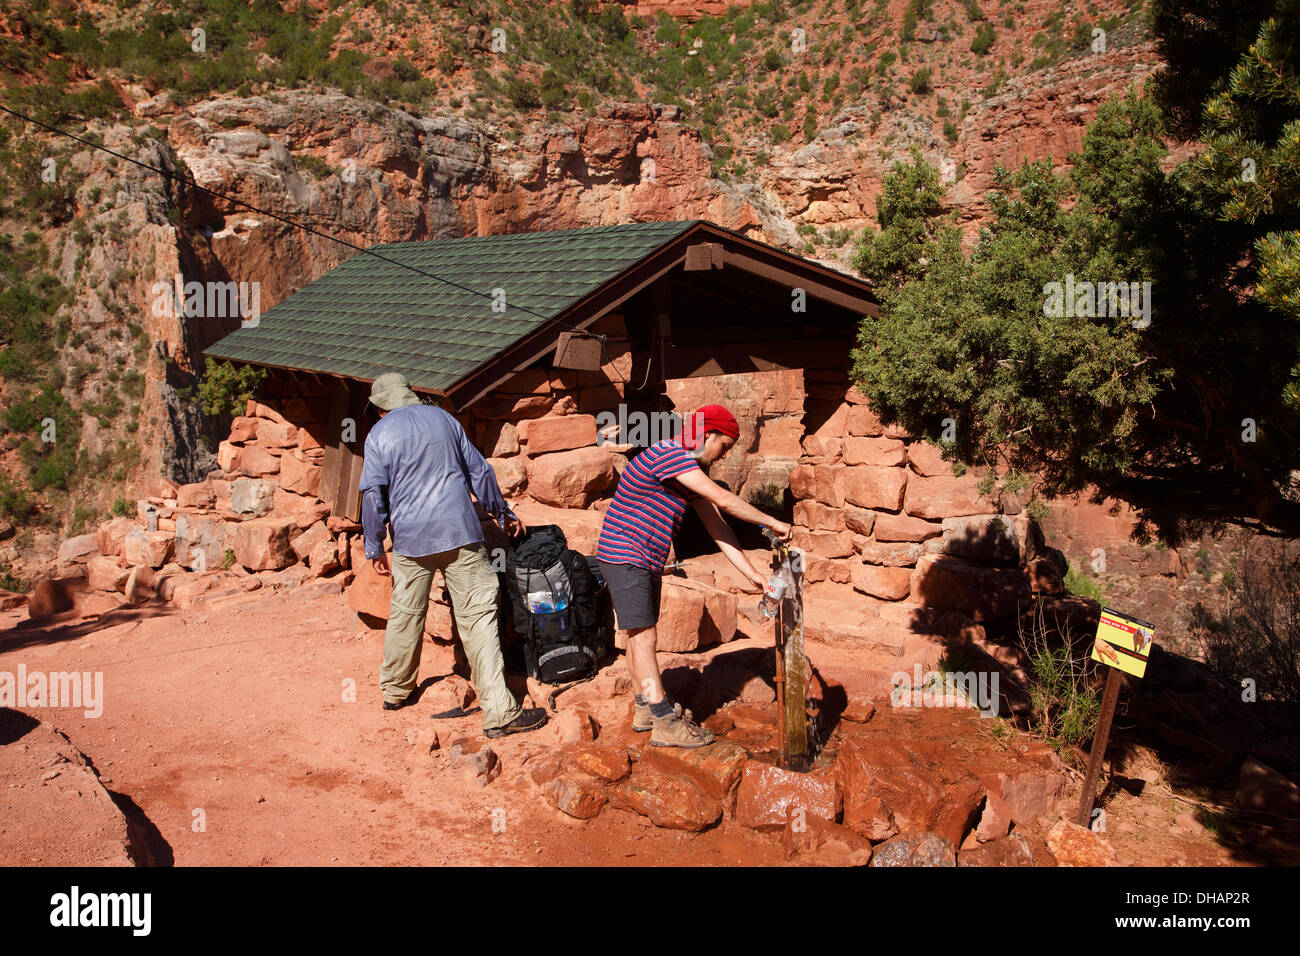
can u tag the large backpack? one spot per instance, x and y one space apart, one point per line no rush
555 607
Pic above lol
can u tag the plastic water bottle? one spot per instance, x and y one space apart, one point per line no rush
778 585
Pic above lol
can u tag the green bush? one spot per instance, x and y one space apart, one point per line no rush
983 40
920 81
226 388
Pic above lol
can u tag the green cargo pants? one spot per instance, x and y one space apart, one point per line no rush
473 587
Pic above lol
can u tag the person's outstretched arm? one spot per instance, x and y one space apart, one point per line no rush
721 533
704 486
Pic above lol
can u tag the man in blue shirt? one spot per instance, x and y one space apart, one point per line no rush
418 473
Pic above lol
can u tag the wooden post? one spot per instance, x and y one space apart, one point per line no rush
1108 701
794 710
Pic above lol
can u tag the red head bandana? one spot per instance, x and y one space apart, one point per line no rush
708 418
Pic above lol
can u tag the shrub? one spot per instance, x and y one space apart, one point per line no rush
1063 702
1257 635
983 40
920 81
226 388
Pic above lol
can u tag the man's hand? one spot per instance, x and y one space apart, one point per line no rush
757 579
380 564
515 527
780 529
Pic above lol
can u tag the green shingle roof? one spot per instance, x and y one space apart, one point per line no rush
369 316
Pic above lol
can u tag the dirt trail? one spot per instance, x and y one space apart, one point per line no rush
239 713
229 730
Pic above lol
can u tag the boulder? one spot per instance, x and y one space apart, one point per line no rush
1261 788
859 520
257 462
477 763
324 558
228 456
150 548
886 583
48 597
106 573
883 452
717 767
1026 795
915 849
243 429
607 763
262 544
681 615
557 433
112 534
810 839
252 497
196 495
862 421
1073 845
300 477
768 796
989 537
370 592
305 543
574 725
570 479
944 497
79 549
675 800
576 795
904 528
890 787
503 438
947 583
200 541
277 434
816 516
511 475
1014 850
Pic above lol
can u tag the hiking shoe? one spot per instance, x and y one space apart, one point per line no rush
398 705
679 730
643 717
529 720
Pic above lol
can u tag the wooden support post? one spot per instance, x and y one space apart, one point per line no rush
793 715
1108 701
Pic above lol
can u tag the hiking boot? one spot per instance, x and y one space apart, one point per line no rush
528 720
643 717
678 730
410 699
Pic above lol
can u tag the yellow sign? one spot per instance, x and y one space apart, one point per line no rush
1123 642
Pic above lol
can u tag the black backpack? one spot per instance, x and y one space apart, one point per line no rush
555 607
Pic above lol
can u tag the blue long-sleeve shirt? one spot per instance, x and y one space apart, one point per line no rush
419 470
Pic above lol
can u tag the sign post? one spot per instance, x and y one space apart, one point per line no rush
1123 643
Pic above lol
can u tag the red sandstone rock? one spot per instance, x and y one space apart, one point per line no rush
1260 787
152 548
305 543
716 767
989 537
818 517
886 583
48 597
228 456
573 725
257 462
810 839
927 460
79 549
370 592
1014 850
873 487
277 434
859 520
607 763
511 475
893 555
881 452
1026 795
106 573
862 421
243 429
946 583
300 477
769 796
578 797
111 534
904 528
196 495
1073 845
557 433
570 479
941 497
891 787
918 848
262 544
673 800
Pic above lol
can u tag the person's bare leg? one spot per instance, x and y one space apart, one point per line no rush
643 665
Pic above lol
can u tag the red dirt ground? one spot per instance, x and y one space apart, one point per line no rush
239 712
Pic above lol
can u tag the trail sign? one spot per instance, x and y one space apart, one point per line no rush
1124 643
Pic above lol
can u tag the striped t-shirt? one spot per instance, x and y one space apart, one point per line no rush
646 512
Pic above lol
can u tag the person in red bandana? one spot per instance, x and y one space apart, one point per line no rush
638 528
